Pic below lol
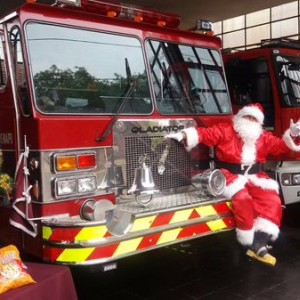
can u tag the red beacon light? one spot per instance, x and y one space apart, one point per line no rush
110 9
123 11
149 16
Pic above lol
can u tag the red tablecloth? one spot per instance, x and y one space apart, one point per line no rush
52 283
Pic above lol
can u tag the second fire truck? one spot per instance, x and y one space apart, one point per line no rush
269 74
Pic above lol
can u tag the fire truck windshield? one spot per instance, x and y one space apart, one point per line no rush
289 78
77 71
187 79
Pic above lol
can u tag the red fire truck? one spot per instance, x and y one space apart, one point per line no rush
270 74
88 90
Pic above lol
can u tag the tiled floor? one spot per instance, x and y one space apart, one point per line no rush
214 267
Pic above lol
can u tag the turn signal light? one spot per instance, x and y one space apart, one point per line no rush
75 162
66 163
86 161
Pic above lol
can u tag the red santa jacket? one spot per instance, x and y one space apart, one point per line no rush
230 148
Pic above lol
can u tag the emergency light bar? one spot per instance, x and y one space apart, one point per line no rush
119 10
281 42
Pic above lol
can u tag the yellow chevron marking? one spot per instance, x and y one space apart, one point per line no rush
47 231
216 225
169 236
205 211
142 223
180 216
127 246
75 255
91 233
229 204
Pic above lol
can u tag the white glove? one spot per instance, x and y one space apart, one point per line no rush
295 128
179 136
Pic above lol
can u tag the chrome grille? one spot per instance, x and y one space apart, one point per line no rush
178 162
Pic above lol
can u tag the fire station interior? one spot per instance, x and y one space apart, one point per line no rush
212 267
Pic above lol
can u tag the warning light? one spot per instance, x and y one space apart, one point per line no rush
75 162
116 9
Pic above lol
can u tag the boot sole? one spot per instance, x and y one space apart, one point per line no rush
266 259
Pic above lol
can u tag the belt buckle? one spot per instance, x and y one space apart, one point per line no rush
249 167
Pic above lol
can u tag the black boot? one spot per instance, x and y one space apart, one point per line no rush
260 242
259 248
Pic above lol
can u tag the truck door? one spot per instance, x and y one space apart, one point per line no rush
7 113
288 75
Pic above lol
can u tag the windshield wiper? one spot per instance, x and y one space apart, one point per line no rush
123 101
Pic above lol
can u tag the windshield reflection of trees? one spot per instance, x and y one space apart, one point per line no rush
67 91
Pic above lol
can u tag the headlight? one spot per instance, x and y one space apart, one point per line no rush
296 179
66 187
86 185
75 186
290 179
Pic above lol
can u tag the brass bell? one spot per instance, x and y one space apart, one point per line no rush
143 182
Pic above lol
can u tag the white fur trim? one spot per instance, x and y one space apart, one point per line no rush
289 141
235 187
267 227
264 183
192 138
245 237
249 132
252 111
249 152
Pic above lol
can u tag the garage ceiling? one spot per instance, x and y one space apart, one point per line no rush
190 10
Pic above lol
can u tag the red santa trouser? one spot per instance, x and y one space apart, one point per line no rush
253 202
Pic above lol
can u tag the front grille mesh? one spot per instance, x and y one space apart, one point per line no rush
178 162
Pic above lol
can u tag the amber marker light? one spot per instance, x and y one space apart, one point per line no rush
138 18
66 163
86 161
161 23
111 14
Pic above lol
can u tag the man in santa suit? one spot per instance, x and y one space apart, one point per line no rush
242 148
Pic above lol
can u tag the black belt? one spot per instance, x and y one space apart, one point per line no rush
241 169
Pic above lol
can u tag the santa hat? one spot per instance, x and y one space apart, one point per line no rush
255 110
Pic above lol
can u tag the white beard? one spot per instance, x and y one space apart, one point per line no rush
249 131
